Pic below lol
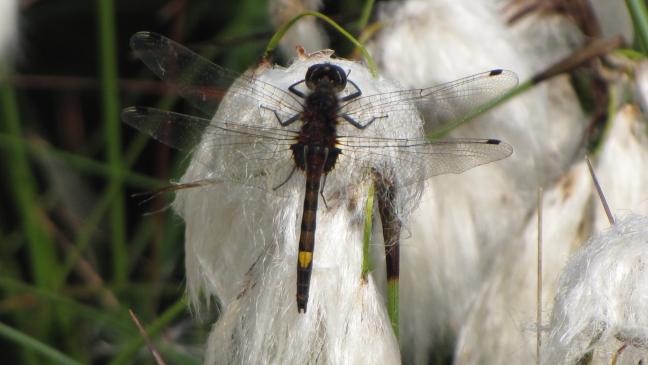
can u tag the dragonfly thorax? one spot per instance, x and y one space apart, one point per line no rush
321 103
318 135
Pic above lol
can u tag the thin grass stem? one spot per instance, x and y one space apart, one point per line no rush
365 15
42 257
131 348
84 164
368 228
539 281
112 126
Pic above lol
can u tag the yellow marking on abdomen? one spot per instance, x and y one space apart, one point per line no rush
305 259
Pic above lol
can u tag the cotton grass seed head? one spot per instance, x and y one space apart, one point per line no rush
506 302
603 294
465 222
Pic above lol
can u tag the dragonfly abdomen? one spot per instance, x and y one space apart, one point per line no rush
307 240
316 162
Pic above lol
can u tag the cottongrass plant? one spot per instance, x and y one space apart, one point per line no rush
465 222
241 243
572 213
482 222
506 302
602 299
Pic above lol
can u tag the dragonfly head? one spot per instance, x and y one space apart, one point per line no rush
328 74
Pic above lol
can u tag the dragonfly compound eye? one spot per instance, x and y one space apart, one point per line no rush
326 73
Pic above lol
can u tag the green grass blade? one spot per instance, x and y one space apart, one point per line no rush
81 163
479 111
42 256
365 15
175 357
639 14
83 237
368 228
118 321
393 288
51 354
112 125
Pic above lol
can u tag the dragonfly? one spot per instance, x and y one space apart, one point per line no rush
321 125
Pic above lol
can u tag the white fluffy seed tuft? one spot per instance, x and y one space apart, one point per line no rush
603 293
8 26
465 222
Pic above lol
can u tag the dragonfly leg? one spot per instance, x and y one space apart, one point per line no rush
326 156
354 95
286 180
286 122
292 89
322 192
358 125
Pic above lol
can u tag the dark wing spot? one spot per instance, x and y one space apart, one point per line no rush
493 141
146 40
139 109
495 72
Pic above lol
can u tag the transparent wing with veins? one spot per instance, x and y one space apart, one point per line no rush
261 157
440 104
254 155
417 159
201 82
228 152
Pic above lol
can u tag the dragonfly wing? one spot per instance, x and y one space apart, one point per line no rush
233 152
413 160
182 132
202 82
440 105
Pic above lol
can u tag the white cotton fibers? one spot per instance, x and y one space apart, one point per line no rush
603 295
